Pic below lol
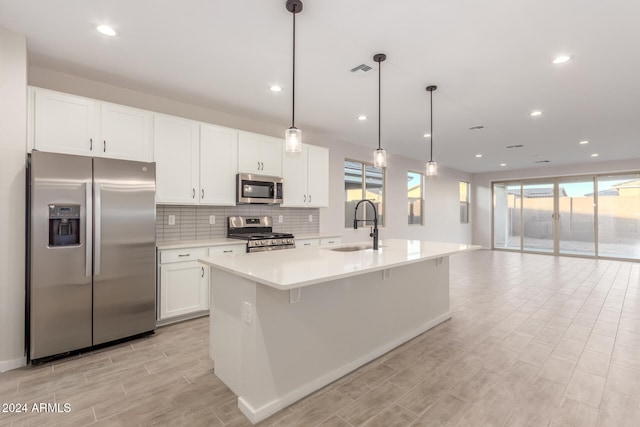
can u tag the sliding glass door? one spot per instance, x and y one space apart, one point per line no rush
596 216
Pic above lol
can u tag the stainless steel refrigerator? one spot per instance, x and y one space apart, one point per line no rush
91 252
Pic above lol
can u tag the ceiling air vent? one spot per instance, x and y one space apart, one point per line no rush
361 69
543 161
515 146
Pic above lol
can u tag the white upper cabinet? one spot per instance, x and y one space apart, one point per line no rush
64 123
126 133
70 124
176 153
306 177
195 163
218 165
260 154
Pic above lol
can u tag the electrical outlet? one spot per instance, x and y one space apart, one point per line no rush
280 219
310 218
172 220
246 312
212 219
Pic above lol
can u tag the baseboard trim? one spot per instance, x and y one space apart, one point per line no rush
8 365
256 415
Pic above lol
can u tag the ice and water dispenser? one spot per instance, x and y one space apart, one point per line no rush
64 225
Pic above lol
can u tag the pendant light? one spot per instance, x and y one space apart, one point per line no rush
432 167
379 156
293 135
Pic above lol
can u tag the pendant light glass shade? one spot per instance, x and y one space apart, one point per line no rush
293 135
293 140
432 168
380 158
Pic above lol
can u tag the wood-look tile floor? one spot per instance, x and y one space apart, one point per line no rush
535 340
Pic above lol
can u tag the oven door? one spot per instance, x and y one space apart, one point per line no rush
259 189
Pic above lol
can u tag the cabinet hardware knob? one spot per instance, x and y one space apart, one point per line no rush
193 195
309 198
184 254
258 165
262 165
203 193
104 146
90 144
305 198
202 271
228 251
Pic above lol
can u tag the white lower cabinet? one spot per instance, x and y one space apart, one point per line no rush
184 284
316 242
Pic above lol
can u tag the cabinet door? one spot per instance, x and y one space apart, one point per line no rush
318 176
271 156
126 133
218 165
294 173
176 157
183 289
65 123
249 153
259 154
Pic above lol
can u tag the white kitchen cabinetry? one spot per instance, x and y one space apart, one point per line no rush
317 241
239 248
184 284
327 241
218 165
126 133
63 123
306 177
195 163
176 145
260 154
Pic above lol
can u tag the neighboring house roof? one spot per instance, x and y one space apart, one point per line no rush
629 184
538 192
607 192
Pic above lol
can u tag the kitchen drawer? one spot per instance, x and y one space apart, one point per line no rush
307 243
228 249
330 241
181 255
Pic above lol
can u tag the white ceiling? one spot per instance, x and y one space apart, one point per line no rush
490 59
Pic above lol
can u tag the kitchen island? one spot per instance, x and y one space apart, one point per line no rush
286 323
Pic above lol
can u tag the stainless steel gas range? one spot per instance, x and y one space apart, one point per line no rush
258 232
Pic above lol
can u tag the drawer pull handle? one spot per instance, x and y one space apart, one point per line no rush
307 244
184 254
331 241
202 271
228 251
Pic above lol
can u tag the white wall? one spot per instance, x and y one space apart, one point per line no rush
481 188
13 122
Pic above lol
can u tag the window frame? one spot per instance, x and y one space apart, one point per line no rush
364 164
422 186
466 203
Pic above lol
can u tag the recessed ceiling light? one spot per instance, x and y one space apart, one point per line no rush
478 155
362 117
427 135
106 30
561 59
536 113
275 88
583 142
503 164
595 155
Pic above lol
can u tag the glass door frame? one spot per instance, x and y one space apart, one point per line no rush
555 182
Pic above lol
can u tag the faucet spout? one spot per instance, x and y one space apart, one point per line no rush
374 232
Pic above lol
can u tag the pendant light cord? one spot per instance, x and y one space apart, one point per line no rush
293 101
379 100
431 113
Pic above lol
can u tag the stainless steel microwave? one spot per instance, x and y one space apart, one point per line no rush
258 189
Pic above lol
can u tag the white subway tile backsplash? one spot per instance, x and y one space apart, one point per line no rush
192 222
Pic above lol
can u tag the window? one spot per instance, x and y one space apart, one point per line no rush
415 186
464 202
363 181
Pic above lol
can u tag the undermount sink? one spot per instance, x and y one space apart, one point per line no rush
352 248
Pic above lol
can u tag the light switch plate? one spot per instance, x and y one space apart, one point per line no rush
172 220
246 312
280 219
212 219
310 218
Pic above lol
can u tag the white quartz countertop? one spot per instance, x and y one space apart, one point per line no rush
290 269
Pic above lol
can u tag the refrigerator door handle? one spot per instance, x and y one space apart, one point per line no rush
88 232
96 227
